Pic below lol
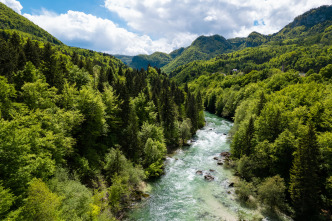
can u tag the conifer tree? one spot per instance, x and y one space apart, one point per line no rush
31 53
75 58
304 184
49 65
261 103
249 138
192 111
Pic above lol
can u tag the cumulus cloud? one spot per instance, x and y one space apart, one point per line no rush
228 18
165 25
13 4
88 31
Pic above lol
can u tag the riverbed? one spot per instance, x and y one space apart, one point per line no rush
182 194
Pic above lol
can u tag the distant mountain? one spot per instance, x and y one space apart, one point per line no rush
304 28
157 59
10 20
301 45
203 48
309 27
126 59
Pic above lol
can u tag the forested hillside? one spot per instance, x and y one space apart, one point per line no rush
280 98
306 29
11 20
79 130
203 48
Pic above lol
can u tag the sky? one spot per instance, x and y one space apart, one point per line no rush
131 27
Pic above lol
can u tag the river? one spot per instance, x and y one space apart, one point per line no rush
181 194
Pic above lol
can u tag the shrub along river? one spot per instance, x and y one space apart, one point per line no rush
182 194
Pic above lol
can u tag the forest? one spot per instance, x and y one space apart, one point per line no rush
80 131
280 99
78 136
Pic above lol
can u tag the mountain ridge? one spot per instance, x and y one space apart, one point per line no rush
217 44
10 20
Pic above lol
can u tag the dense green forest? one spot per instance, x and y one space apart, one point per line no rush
280 98
80 131
11 20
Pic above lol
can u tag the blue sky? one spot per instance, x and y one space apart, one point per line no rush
133 27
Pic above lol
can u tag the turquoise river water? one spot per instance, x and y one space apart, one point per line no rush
181 194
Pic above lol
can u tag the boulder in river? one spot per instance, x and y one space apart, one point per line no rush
220 163
199 172
209 177
215 158
212 170
225 154
231 185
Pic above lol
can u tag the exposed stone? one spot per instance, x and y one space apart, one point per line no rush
225 154
209 177
199 172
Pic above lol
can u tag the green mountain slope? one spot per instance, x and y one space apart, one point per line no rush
309 28
280 99
79 130
300 46
203 48
11 22
157 59
9 19
125 58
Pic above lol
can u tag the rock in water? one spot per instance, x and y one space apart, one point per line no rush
225 154
199 172
209 177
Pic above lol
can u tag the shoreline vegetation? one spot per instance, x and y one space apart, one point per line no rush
79 130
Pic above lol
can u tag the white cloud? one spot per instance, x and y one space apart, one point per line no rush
165 25
13 4
100 34
228 18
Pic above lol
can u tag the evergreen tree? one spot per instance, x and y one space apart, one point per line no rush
50 65
192 111
110 75
168 116
75 58
249 138
31 53
102 79
261 103
131 136
304 182
8 60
